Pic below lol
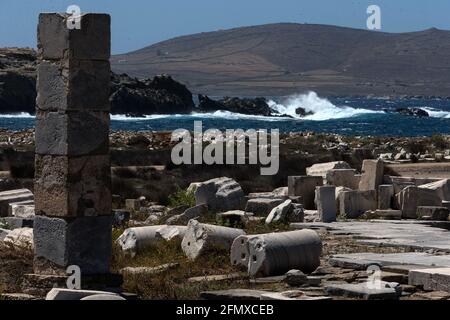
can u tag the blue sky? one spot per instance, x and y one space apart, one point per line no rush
138 23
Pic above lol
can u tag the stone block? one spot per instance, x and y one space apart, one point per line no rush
326 203
262 206
432 213
220 194
355 203
71 294
412 197
11 196
13 205
372 175
304 186
72 133
91 42
76 186
73 86
17 223
385 196
343 178
84 241
441 187
23 211
321 169
435 279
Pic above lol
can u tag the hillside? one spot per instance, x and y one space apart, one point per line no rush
286 58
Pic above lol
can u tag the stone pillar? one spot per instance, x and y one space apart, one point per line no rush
372 175
326 203
73 173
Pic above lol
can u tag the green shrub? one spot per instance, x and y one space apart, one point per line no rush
182 198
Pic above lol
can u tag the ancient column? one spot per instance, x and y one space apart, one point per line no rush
72 179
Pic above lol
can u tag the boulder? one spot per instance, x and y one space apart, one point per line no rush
220 194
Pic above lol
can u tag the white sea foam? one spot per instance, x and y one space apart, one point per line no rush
17 115
435 113
322 108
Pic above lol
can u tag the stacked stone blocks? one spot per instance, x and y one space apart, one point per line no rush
72 177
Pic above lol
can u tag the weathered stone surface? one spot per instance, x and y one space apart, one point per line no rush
362 290
441 187
76 186
296 278
343 178
22 211
280 213
408 234
355 203
326 203
412 197
11 196
432 213
372 175
19 203
84 241
16 222
435 279
69 86
276 253
72 294
385 196
199 238
221 194
72 134
135 240
21 237
262 206
218 278
304 186
321 169
188 214
234 217
90 42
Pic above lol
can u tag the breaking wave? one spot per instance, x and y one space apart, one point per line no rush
17 115
435 113
321 108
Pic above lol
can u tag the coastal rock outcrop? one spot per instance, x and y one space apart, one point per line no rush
129 96
415 112
253 106
160 95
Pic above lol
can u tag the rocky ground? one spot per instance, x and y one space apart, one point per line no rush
149 190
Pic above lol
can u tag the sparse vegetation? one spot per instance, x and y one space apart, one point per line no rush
182 198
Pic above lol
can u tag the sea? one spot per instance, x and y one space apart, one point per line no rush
344 115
